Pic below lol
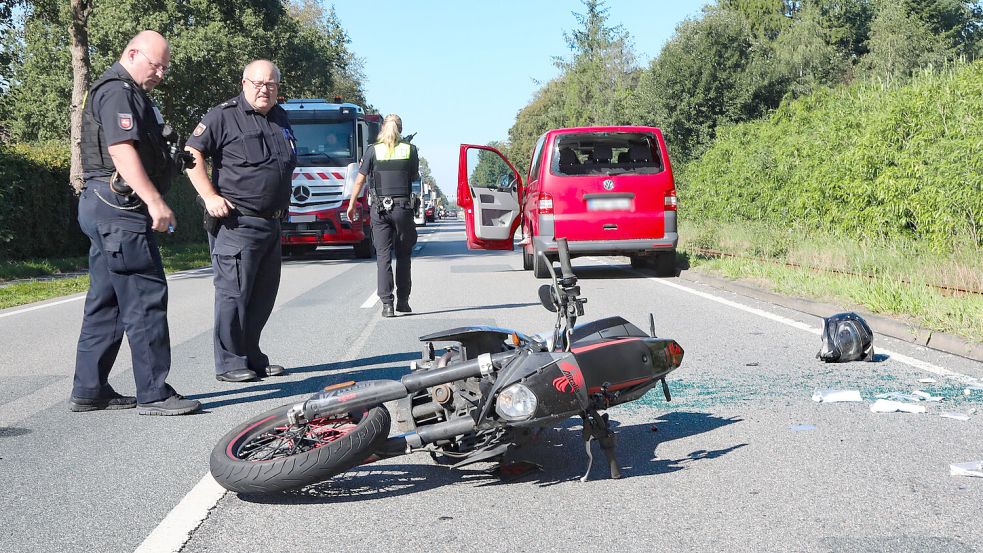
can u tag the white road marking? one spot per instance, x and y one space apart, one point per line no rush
367 304
176 528
81 296
917 363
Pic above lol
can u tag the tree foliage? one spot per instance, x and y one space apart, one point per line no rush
211 41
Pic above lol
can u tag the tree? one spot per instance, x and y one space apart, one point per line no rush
900 43
79 44
807 52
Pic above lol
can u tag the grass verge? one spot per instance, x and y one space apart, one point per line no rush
50 278
891 278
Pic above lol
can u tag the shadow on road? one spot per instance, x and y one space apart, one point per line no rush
559 451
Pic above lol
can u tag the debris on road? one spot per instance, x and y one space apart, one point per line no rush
926 381
956 416
972 468
835 396
889 406
899 396
802 427
926 396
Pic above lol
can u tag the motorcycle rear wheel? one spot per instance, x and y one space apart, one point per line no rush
267 454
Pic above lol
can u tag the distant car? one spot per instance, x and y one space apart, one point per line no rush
428 214
607 190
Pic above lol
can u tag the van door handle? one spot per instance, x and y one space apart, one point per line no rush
610 227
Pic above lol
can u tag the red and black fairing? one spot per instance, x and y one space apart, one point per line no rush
629 366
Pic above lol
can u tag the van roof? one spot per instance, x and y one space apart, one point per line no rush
621 128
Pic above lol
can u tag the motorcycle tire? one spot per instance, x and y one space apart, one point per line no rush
266 454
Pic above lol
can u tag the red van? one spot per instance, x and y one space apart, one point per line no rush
607 190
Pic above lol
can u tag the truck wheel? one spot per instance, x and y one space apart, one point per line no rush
364 249
297 251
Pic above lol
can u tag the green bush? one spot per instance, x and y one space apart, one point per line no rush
864 160
39 210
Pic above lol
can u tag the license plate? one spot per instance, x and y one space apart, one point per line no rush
608 204
301 219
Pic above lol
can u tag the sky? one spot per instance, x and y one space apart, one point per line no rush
459 72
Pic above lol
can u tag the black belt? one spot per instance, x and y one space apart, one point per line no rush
278 214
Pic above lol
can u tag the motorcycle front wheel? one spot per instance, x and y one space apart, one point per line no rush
267 454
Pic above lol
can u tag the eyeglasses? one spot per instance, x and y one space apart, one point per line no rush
155 65
259 85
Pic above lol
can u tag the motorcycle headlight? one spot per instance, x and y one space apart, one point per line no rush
516 403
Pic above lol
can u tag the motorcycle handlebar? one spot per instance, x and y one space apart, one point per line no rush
564 252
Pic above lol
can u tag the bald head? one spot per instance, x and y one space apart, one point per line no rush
146 58
260 85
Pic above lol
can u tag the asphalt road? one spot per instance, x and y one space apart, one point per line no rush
726 466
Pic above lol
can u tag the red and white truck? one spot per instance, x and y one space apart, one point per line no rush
331 138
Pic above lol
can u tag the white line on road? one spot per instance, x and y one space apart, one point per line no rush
917 363
371 301
176 528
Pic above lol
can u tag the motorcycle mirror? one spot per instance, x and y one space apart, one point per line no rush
652 325
547 296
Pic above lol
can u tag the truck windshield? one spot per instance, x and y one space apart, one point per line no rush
321 144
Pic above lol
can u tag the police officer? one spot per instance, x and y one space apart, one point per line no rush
253 155
127 170
394 164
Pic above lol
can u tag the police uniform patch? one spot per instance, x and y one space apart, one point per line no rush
125 121
199 129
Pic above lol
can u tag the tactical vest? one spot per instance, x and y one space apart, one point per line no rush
392 172
153 150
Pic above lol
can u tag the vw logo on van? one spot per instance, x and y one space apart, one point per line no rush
608 184
301 193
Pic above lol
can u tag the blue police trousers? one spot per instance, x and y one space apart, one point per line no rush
246 262
394 236
127 294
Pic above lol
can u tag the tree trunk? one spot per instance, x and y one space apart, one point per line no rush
79 33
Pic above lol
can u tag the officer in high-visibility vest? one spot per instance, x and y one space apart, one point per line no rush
127 165
394 164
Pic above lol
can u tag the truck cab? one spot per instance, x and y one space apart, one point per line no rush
331 140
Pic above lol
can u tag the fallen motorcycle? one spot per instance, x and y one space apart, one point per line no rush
490 393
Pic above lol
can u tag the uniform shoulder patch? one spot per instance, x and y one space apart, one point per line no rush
229 104
125 121
199 129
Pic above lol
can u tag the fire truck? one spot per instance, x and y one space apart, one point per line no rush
331 140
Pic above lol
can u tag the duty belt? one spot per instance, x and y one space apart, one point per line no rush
386 203
278 214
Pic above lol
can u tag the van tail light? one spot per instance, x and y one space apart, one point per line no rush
671 199
545 204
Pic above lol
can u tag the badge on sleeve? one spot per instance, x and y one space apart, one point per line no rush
125 121
199 129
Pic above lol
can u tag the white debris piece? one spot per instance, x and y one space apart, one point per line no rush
957 416
926 396
899 396
888 406
835 396
972 389
926 381
972 468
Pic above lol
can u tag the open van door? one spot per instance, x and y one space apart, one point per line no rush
488 190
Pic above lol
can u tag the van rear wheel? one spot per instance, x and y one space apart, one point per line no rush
539 262
526 259
665 264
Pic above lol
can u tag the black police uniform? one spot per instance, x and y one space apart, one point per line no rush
253 158
127 289
393 229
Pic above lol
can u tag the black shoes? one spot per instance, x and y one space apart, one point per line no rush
238 375
174 405
387 310
271 370
403 306
111 402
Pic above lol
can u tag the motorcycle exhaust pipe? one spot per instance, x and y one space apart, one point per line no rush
374 392
405 443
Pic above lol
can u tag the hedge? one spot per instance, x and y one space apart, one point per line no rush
897 162
39 210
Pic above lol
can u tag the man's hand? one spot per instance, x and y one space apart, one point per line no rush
161 215
351 211
217 206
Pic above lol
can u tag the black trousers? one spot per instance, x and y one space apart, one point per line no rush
246 262
394 235
127 294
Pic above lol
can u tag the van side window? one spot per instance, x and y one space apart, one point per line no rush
537 159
